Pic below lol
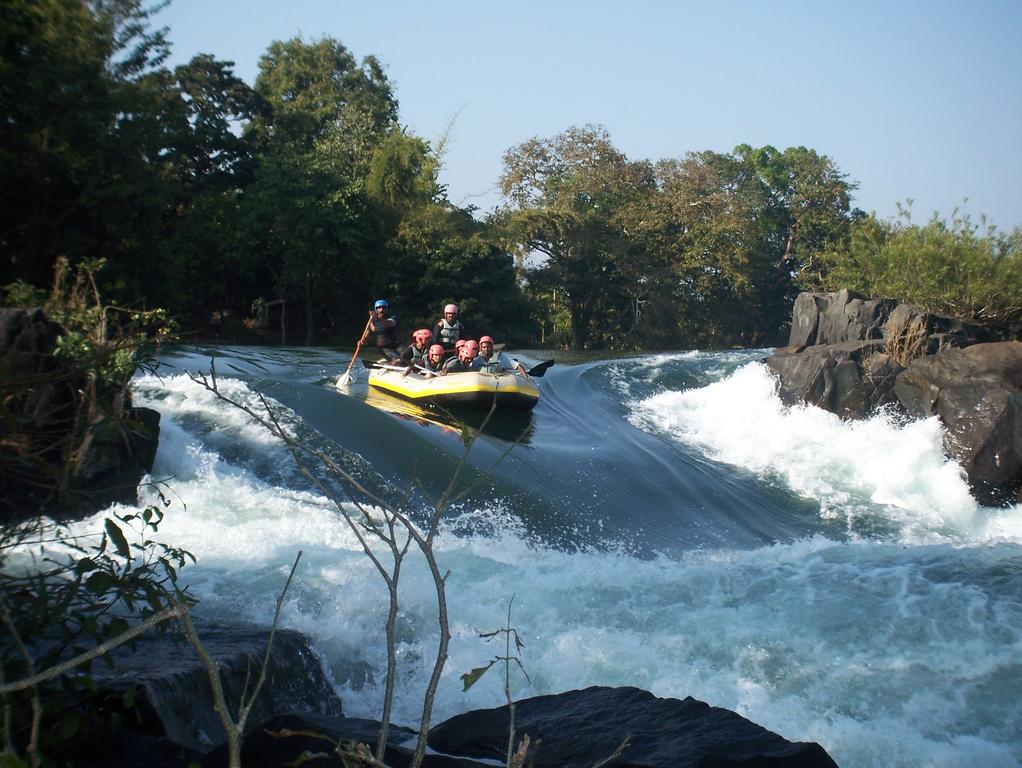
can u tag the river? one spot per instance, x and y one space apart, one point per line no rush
663 522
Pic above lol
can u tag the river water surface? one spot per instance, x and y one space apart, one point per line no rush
664 522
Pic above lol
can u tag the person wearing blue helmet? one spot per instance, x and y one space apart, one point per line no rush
384 325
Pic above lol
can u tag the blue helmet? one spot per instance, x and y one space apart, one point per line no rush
381 303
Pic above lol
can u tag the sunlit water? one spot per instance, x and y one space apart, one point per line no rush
665 522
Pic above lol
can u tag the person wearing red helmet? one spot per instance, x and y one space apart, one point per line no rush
417 351
467 352
449 329
491 361
434 360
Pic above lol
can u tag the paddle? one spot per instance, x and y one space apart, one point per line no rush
537 371
345 378
402 368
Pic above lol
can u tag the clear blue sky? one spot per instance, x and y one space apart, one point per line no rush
911 99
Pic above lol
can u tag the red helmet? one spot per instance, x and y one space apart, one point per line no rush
459 344
467 352
423 336
451 308
483 339
436 349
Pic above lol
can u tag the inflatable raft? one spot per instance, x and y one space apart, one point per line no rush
471 389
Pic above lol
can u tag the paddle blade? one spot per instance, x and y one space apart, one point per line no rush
538 370
344 380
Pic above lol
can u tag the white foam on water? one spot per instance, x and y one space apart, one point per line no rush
887 653
876 467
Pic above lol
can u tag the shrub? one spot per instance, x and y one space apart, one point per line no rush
955 267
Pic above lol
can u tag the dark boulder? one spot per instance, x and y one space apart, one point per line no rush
938 332
832 318
977 393
310 740
173 700
580 728
850 378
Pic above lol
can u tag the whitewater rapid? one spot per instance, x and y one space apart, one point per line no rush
896 643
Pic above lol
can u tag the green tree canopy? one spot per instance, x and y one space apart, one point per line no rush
76 119
956 267
564 195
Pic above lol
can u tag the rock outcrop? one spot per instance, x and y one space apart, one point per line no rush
577 729
849 378
977 393
298 718
832 318
851 355
566 730
170 703
59 452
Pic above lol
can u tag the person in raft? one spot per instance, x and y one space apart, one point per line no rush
383 325
434 361
449 329
417 351
467 351
491 361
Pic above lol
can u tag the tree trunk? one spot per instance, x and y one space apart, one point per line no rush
308 309
579 327
283 322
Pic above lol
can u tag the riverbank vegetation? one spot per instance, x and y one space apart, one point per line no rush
957 267
278 211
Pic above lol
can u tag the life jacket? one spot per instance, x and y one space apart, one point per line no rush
386 338
454 365
446 334
488 366
429 366
414 355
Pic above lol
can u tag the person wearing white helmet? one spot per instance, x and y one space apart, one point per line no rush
449 329
491 361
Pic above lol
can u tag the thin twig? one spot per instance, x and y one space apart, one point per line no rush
103 648
625 743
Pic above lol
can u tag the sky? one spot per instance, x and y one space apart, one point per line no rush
913 100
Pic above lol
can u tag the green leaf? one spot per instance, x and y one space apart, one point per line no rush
117 626
100 582
117 537
85 565
471 678
68 726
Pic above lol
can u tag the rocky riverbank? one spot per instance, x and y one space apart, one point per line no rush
171 721
70 443
852 355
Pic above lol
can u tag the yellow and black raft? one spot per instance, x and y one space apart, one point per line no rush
471 389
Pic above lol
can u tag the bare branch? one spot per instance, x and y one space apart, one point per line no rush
103 648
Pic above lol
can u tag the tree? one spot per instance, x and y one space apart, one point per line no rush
208 165
809 198
711 210
322 118
563 195
731 231
313 91
441 253
77 149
